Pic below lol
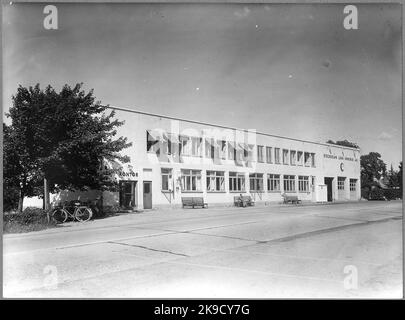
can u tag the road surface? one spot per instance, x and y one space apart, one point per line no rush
351 250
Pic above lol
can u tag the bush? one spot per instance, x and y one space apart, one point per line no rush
31 219
377 194
393 194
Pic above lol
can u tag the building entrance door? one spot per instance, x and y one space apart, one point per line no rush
329 185
147 194
127 194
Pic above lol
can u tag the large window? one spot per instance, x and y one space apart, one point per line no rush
341 183
268 154
293 157
285 156
289 183
260 154
215 181
190 180
277 155
353 184
273 182
236 181
313 179
299 158
166 179
303 183
256 181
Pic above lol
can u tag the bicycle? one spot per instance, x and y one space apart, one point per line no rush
80 213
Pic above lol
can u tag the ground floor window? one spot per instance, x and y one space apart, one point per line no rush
273 182
215 181
190 180
236 181
303 183
256 181
166 179
353 183
289 183
341 183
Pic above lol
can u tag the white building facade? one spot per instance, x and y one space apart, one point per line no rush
174 158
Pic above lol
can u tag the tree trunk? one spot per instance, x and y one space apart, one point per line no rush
47 203
21 201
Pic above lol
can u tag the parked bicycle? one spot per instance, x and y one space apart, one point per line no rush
80 213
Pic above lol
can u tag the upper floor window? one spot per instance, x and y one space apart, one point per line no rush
260 154
222 149
231 151
299 158
152 142
307 159
268 154
285 156
277 155
210 148
312 159
293 157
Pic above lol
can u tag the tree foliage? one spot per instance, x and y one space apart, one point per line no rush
372 167
344 143
61 136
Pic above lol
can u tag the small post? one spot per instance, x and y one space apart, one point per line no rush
46 194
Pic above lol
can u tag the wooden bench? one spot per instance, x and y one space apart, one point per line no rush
292 199
243 201
193 202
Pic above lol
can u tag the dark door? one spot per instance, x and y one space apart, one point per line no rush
127 194
147 194
328 182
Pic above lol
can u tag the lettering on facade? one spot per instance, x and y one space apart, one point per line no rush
331 156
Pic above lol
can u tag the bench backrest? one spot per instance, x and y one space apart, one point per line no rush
198 200
291 197
247 198
187 199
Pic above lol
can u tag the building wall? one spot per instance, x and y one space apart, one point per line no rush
330 161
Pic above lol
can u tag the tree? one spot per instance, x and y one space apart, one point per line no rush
393 178
372 167
344 143
400 177
61 137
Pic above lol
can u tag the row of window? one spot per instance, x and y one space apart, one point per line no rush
191 180
341 183
221 149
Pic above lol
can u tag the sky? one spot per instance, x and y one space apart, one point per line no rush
284 69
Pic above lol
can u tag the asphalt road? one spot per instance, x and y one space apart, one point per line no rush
325 251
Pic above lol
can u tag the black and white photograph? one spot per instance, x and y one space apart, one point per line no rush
202 151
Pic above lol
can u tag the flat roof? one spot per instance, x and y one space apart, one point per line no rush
227 127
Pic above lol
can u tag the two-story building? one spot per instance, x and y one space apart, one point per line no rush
173 158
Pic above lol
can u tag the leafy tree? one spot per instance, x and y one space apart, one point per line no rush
400 177
60 137
372 166
345 143
393 178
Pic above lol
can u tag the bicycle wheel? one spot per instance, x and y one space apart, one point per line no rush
83 214
59 215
